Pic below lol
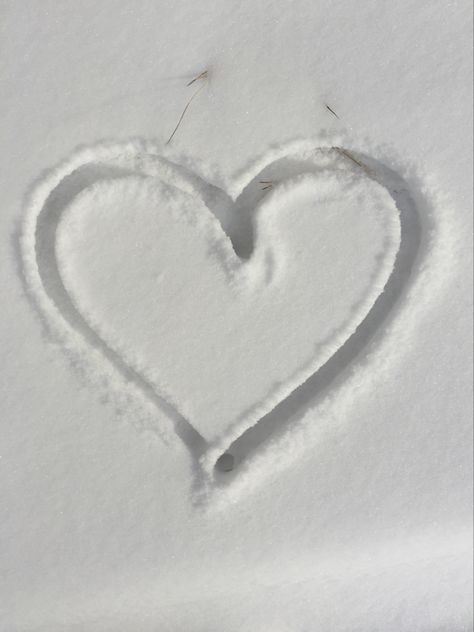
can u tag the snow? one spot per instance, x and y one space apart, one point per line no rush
153 273
155 295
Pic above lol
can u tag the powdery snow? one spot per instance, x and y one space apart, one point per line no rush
287 281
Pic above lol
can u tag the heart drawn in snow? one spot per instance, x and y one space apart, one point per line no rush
142 253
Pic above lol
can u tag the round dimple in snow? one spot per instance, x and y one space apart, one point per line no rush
225 463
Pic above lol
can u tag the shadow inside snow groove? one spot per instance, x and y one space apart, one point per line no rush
237 220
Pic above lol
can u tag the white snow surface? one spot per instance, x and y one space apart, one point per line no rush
154 273
279 282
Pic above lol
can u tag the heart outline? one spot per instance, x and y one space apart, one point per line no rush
98 155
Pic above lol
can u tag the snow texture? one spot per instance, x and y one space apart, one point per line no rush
127 261
287 281
224 341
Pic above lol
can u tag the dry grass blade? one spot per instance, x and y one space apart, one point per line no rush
345 153
203 75
332 111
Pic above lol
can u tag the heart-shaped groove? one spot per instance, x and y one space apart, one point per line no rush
116 162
